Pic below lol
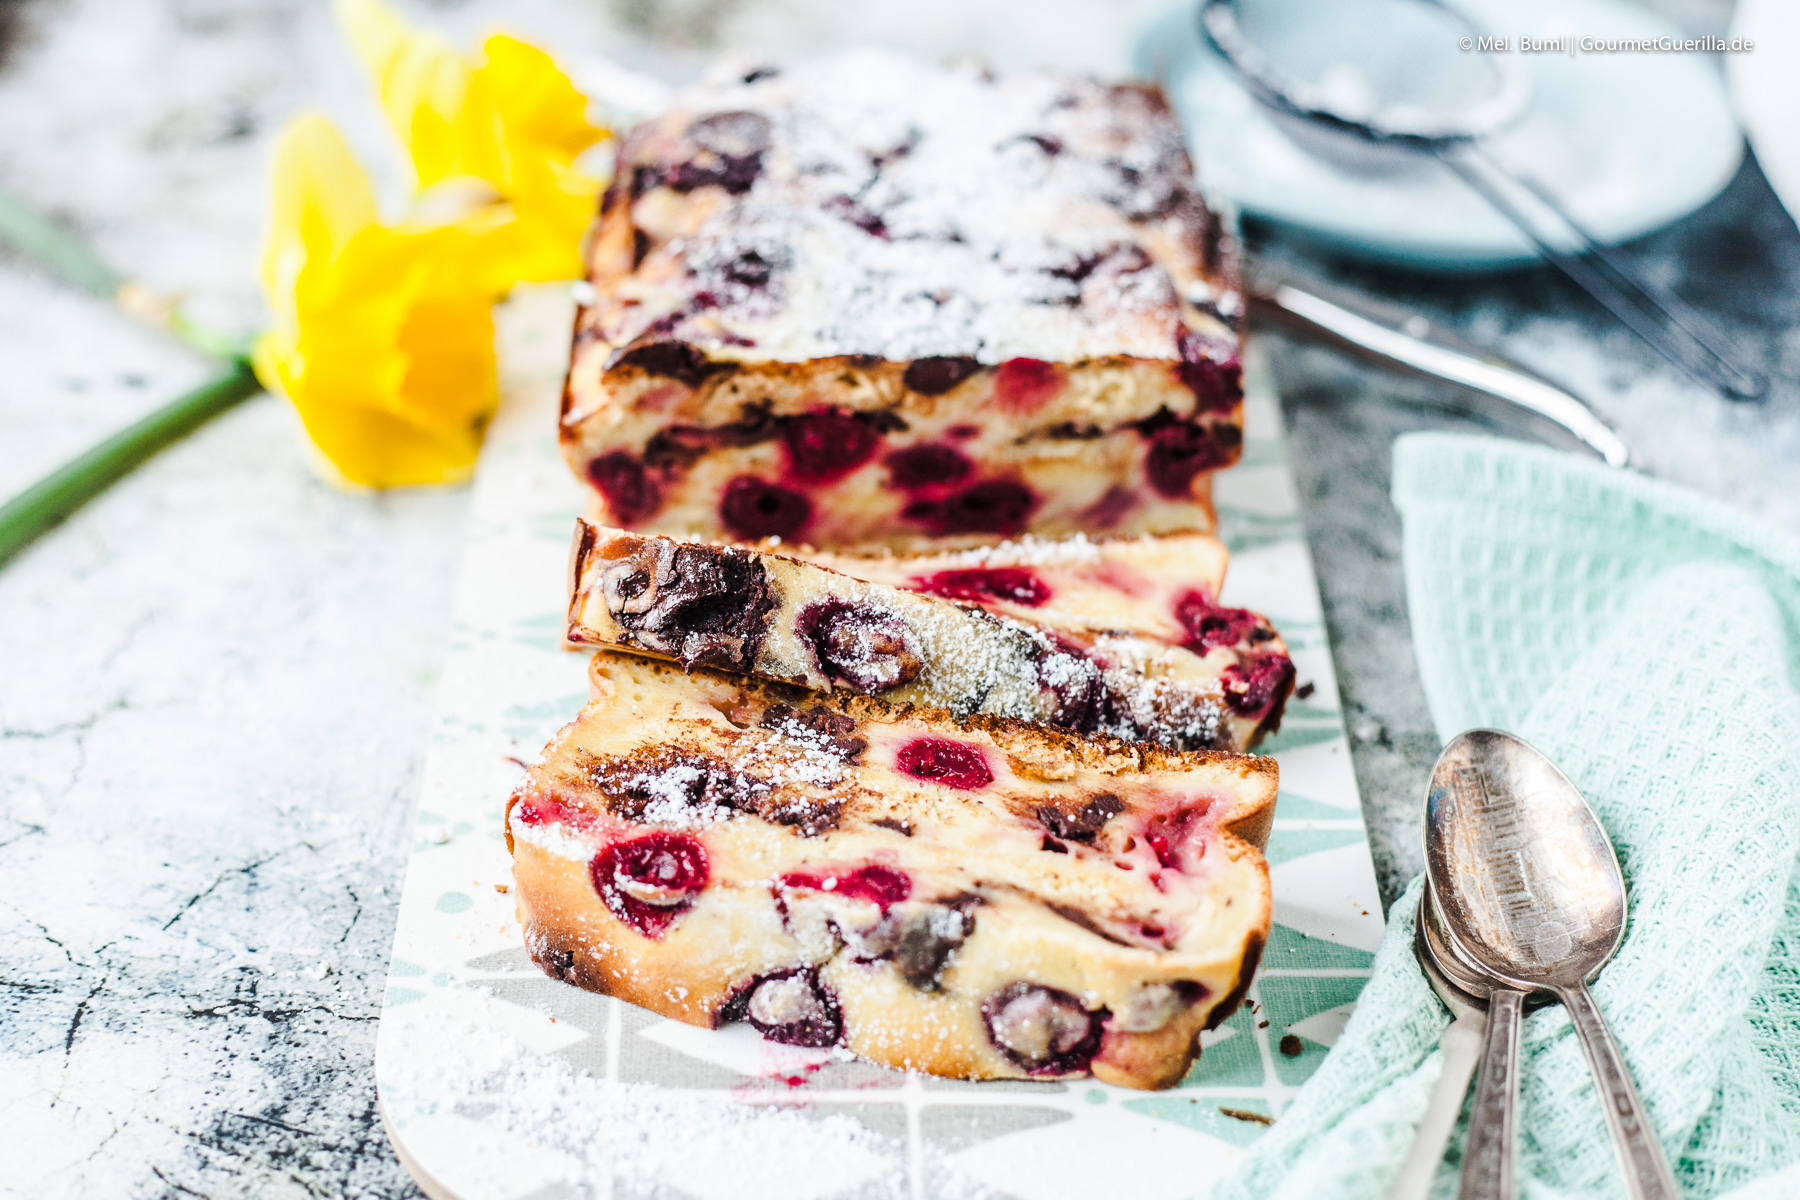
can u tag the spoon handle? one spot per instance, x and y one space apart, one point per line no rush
1461 1045
1487 1172
1647 1175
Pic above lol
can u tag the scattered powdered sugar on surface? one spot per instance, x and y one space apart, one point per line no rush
595 1135
904 211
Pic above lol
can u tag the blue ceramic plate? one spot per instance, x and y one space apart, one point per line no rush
1628 141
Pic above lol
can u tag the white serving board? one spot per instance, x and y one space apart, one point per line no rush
499 1083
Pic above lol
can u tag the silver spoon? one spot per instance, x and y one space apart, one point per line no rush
1530 893
1461 1044
1487 1172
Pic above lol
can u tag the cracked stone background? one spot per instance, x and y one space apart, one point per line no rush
215 681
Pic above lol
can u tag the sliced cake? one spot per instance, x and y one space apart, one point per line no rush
979 899
869 301
1117 637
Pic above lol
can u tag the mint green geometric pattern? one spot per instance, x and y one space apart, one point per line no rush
1285 845
1235 1061
1291 950
1289 999
1293 737
1291 807
1206 1115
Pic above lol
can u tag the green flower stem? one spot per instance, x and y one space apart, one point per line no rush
57 250
44 505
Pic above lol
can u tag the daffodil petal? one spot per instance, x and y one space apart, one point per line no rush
320 200
538 105
423 83
384 338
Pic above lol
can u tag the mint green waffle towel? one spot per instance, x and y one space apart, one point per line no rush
1648 640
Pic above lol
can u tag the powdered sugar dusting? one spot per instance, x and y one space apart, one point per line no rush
791 754
555 838
672 803
903 212
1027 551
979 661
593 1135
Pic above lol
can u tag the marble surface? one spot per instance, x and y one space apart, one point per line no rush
215 681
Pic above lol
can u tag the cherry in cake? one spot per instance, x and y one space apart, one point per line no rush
1113 637
866 301
973 898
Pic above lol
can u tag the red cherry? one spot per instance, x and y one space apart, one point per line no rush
793 1007
1211 370
926 464
1180 450
1015 584
828 444
875 883
997 506
1253 684
953 764
630 492
1110 508
858 645
649 881
754 508
1209 625
1045 1030
1024 385
1165 853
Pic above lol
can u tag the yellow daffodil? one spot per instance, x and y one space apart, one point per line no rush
511 121
383 337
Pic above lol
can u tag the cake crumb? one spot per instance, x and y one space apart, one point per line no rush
1244 1114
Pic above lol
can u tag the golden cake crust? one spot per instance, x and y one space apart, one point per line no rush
800 281
1075 933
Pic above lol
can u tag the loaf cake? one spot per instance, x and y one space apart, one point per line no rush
1086 640
872 302
977 898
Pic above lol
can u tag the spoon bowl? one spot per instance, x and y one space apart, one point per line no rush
1528 892
1524 877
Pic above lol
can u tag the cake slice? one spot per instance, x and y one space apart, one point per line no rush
978 899
869 301
1115 637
